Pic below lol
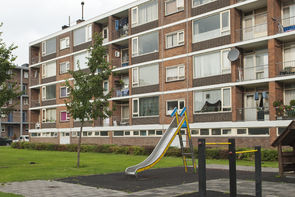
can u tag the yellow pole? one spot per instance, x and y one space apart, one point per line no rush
246 151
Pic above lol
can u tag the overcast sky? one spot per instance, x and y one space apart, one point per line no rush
28 20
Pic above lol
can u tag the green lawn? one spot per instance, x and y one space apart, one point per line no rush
9 195
15 164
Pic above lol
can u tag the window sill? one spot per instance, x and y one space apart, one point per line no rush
133 56
64 121
137 25
156 116
64 48
63 73
177 80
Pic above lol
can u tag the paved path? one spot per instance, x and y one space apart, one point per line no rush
59 189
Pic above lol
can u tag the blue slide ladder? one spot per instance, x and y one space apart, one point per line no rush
185 125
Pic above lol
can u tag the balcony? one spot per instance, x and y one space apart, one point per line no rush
36 60
35 103
286 68
122 92
120 121
253 72
286 25
253 114
252 32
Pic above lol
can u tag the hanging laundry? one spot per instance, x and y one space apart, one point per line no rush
117 25
256 95
264 95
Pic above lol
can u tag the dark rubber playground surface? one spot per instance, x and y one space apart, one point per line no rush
162 178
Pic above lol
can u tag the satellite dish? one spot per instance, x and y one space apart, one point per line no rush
233 54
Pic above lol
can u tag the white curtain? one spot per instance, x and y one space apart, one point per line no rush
148 12
289 95
50 69
148 43
149 75
211 96
207 65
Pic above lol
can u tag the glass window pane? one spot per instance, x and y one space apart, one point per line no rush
204 131
216 131
258 131
171 105
50 46
206 28
148 43
79 36
149 106
207 65
149 75
208 101
226 97
225 21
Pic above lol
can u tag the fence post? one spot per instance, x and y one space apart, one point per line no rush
202 167
232 168
258 181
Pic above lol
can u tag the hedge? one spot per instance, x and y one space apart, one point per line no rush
211 153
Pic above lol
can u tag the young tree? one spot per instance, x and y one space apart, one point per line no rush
87 99
8 88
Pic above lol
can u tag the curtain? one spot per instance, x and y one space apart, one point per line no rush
207 65
249 70
289 95
81 60
79 36
50 69
149 75
148 43
171 73
171 7
63 116
148 12
149 106
211 97
51 92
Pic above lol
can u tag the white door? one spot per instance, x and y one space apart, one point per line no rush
249 68
248 27
250 108
64 138
176 142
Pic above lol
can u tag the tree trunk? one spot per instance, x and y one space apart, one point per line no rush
79 145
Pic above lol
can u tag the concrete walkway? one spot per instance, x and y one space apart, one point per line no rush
59 189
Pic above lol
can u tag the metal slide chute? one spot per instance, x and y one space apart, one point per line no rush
159 150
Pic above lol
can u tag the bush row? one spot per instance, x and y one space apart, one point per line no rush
266 154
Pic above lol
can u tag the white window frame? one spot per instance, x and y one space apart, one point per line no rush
222 97
27 101
135 114
43 71
134 48
168 113
88 33
43 93
107 36
179 77
67 64
221 23
68 117
26 74
106 91
179 41
67 92
135 82
179 6
134 17
43 115
67 40
43 48
223 68
201 4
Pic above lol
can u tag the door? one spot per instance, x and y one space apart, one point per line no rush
250 108
249 68
64 138
248 27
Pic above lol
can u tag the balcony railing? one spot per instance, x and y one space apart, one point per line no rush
253 72
252 32
286 68
122 92
287 24
35 103
120 121
253 114
285 113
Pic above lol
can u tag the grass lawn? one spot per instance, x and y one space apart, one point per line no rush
9 195
15 164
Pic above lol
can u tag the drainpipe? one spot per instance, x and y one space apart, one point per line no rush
21 101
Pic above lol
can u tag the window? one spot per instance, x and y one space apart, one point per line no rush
201 2
145 75
105 87
159 132
288 13
64 43
144 44
82 35
105 34
64 92
256 65
255 24
211 27
170 105
242 132
280 130
289 93
48 115
10 101
26 74
64 67
289 57
81 61
148 106
118 133
144 13
175 73
49 47
204 131
35 134
104 133
212 100
174 39
173 6
64 116
24 89
211 64
26 101
49 70
258 131
49 92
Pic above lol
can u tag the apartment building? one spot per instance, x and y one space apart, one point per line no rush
174 53
15 124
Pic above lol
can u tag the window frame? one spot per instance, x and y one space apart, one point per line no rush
201 4
178 105
179 41
178 72
67 64
179 6
107 34
67 92
44 89
135 114
222 99
134 49
68 116
67 43
26 74
134 22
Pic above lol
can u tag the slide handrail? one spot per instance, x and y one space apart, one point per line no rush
182 112
174 111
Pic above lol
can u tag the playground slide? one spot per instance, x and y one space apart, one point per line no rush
159 151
